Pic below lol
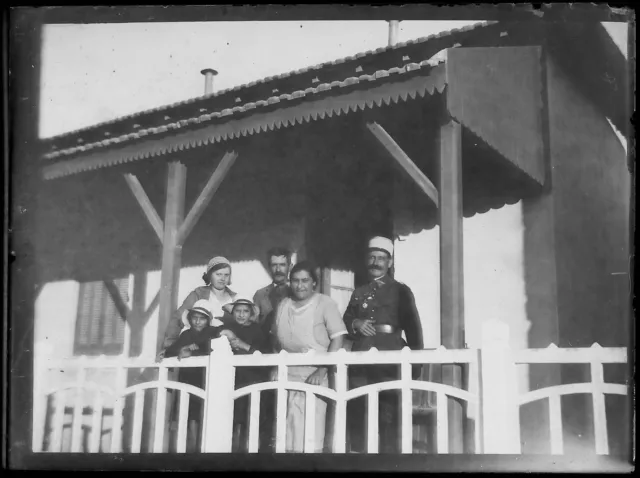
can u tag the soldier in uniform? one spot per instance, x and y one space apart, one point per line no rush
376 316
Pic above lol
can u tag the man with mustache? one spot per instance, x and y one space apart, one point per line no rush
268 298
376 316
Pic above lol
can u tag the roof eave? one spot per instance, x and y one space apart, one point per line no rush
289 115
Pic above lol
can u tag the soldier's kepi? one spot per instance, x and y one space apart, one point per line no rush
376 316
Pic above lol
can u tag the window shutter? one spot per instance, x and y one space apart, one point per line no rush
99 327
84 312
96 312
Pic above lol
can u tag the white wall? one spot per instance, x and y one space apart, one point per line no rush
55 319
493 278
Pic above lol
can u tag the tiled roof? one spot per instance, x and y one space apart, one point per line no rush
350 95
227 113
363 64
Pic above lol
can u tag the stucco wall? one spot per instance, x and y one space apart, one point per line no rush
493 279
591 196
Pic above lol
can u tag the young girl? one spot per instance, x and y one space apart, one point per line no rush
246 335
194 341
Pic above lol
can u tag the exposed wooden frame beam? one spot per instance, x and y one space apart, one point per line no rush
123 309
140 312
151 309
404 161
206 195
172 232
171 249
146 205
451 268
121 305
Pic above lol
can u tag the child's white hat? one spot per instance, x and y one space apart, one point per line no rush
241 301
203 307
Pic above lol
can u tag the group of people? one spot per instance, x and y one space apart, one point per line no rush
290 314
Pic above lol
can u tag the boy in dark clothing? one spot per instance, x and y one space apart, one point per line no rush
246 335
194 341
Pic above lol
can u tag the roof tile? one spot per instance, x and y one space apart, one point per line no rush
350 81
249 106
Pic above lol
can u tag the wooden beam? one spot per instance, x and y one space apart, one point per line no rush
121 305
171 248
146 205
171 262
140 315
205 195
404 161
451 271
151 309
136 323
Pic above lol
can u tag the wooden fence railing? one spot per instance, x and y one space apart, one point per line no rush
496 402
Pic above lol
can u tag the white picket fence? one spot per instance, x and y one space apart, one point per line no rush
496 404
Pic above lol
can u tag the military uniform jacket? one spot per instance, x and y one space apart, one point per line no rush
385 301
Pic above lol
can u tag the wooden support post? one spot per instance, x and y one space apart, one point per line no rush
171 248
451 271
404 161
172 234
174 231
136 316
171 261
139 314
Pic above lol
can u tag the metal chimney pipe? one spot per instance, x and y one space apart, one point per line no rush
394 28
208 80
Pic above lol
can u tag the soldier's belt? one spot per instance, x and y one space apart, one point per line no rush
385 329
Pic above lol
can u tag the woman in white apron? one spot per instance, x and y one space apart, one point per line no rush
307 321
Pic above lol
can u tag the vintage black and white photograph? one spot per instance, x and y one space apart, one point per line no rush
366 239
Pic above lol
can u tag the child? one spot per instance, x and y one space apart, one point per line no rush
246 335
196 340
